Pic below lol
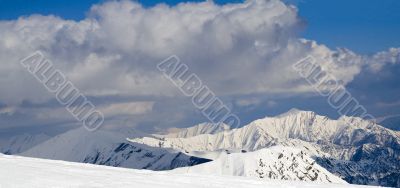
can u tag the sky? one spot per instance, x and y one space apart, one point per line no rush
243 51
362 26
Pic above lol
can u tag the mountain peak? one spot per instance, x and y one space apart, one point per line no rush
295 111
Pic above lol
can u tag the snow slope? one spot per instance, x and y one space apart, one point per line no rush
109 148
202 128
280 163
22 143
17 172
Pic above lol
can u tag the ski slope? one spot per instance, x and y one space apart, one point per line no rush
19 172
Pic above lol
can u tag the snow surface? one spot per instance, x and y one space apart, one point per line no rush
281 163
18 172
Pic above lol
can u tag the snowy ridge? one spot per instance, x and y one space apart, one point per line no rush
302 125
41 173
280 163
111 149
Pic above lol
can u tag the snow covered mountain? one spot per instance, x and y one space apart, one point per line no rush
202 128
22 143
280 163
353 149
356 150
109 148
40 173
295 124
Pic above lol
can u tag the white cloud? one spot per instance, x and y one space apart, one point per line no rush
128 108
235 49
248 102
115 50
380 59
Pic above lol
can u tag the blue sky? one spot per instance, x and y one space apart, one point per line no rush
364 26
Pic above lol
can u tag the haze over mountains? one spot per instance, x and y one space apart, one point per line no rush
22 143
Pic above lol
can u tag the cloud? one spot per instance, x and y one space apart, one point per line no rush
8 110
115 50
236 49
380 59
248 102
384 104
129 108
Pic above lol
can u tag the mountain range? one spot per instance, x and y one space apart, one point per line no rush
297 145
359 151
109 148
